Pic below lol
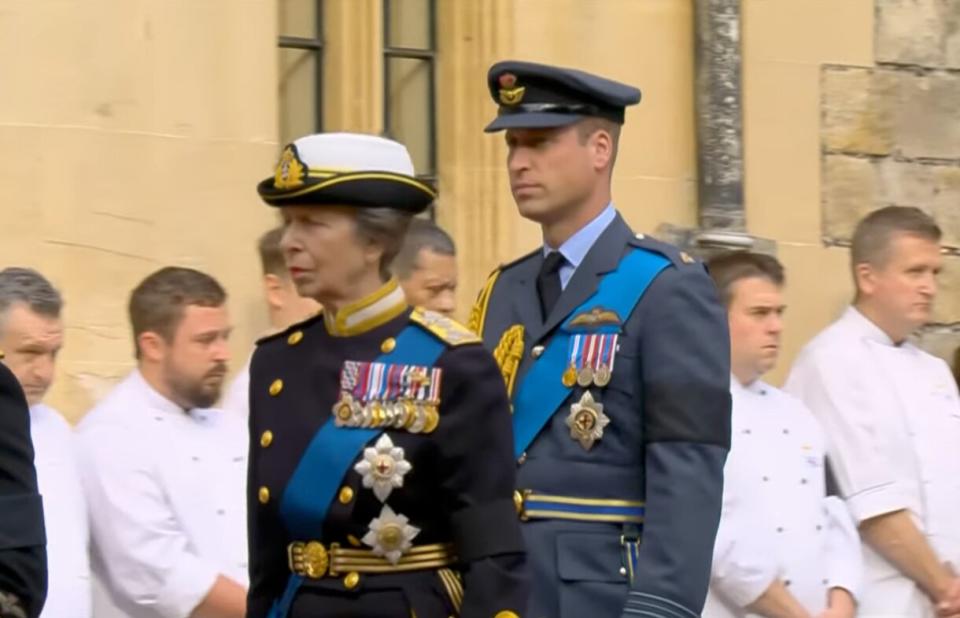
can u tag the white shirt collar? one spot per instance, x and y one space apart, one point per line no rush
575 248
757 387
154 398
862 325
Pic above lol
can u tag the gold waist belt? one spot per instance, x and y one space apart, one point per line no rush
315 560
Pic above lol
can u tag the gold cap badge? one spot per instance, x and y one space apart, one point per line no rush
510 93
290 170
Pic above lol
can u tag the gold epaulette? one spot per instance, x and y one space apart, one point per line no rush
450 331
478 314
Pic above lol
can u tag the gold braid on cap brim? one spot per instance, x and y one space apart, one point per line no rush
354 176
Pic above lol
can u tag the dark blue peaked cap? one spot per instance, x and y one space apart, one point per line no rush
537 96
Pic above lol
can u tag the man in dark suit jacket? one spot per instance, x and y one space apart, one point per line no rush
616 352
23 557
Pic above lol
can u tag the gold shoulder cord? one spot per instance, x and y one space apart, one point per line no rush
508 353
478 314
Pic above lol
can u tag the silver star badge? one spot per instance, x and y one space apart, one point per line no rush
383 467
587 420
390 535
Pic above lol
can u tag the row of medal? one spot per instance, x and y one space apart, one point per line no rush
414 416
591 358
388 395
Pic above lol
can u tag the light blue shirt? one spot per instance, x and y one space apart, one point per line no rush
575 248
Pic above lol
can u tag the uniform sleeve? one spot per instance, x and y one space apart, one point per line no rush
844 554
266 543
743 567
149 559
23 566
478 478
685 377
859 445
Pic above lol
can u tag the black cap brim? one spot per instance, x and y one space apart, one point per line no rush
531 120
362 189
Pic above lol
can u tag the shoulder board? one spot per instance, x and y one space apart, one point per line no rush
679 258
285 333
447 330
520 260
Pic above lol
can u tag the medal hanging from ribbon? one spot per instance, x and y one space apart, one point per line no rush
590 360
386 395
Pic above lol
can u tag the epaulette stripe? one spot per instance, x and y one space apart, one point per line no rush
478 314
447 330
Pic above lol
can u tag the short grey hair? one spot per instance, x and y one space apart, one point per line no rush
423 234
876 232
385 227
27 286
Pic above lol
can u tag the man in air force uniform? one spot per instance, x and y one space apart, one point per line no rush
615 350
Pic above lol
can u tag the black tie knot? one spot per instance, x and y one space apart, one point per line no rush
552 263
548 281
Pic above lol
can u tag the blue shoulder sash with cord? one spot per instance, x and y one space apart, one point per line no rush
330 454
541 392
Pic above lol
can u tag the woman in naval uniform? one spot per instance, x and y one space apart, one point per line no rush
381 468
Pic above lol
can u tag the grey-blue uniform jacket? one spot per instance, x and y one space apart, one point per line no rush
664 448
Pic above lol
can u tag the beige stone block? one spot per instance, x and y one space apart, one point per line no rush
647 202
850 190
934 188
940 342
627 40
172 67
951 42
927 119
808 31
858 106
947 307
911 31
781 128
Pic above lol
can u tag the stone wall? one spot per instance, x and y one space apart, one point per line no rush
891 136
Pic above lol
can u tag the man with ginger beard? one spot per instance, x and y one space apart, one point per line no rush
165 474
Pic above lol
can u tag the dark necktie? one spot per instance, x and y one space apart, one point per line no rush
548 281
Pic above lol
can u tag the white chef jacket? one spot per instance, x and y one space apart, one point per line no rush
165 488
64 515
237 397
892 417
777 521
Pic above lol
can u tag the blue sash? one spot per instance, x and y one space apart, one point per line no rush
541 392
332 452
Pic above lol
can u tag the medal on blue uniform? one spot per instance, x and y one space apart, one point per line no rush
382 395
591 358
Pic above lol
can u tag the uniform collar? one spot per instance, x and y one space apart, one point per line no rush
862 325
757 387
367 313
576 247
154 398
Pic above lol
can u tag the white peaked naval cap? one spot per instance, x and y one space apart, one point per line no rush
349 169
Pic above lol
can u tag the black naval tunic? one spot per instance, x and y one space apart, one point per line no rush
458 489
23 566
